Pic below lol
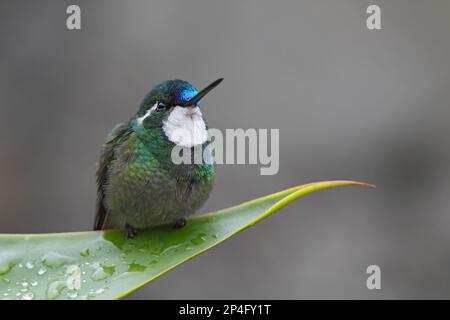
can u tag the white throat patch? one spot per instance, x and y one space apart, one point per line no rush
185 127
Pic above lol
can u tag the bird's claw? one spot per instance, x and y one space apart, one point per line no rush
180 223
130 231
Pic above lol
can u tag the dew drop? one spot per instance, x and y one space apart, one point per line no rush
99 274
27 296
85 252
54 259
29 265
99 291
41 271
135 267
54 289
72 294
7 261
199 239
34 283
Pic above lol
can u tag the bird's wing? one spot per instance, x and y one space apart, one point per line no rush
115 138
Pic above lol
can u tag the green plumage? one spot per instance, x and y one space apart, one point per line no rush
138 183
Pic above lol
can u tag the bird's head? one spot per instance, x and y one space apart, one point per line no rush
174 106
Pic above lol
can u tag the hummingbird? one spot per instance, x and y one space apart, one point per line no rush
138 184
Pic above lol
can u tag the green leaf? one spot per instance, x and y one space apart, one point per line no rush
105 265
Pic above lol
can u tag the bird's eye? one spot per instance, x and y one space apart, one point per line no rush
161 106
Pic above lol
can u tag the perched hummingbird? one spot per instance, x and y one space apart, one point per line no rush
138 184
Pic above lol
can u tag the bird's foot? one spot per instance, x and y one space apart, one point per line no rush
130 231
180 223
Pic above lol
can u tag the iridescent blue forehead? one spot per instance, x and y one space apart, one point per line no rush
183 91
187 94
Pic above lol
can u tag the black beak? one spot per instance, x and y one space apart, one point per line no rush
193 101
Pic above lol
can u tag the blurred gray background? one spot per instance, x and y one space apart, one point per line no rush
350 104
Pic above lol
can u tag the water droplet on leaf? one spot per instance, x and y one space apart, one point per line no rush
99 272
28 296
54 289
135 267
85 252
72 294
41 271
54 259
199 239
7 260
